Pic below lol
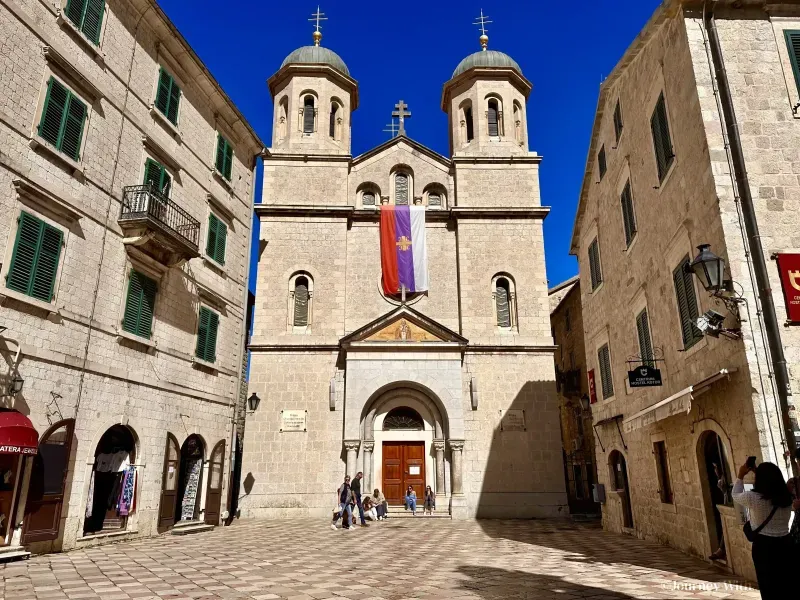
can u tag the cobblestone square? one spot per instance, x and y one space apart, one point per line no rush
393 560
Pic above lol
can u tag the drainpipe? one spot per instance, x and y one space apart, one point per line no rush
754 239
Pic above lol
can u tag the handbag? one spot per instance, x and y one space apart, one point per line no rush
750 533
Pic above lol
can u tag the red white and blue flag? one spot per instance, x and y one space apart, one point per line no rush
404 253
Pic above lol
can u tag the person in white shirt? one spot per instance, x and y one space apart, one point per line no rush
769 506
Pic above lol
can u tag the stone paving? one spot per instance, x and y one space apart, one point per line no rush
393 560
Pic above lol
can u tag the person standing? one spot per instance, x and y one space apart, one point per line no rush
356 485
343 497
769 506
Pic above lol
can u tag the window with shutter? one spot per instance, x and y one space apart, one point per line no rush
492 119
601 161
63 118
332 124
168 96
617 121
470 126
687 305
502 295
207 327
793 46
217 238
308 114
140 305
604 361
156 174
662 142
628 217
301 302
401 188
645 342
224 162
594 265
87 16
34 260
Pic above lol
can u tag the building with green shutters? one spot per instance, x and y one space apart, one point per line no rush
125 222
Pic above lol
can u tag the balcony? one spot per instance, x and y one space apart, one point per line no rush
157 226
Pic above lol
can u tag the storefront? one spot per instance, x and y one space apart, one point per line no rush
18 443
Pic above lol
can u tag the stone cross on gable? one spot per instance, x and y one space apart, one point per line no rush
401 113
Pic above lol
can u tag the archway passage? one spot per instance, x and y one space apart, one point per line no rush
716 480
191 479
619 476
112 483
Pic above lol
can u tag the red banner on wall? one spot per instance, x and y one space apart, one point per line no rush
789 270
592 388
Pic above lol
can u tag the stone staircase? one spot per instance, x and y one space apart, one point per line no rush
10 553
400 512
189 527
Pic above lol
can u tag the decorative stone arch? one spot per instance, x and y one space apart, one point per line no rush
368 195
435 196
402 396
504 291
395 177
294 313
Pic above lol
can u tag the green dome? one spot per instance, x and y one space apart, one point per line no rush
486 58
316 55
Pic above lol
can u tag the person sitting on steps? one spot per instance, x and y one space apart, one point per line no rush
430 501
411 500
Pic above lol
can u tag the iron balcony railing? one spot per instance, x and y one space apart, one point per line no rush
147 202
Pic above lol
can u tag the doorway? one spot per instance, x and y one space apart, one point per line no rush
619 477
403 465
716 480
10 468
214 490
112 482
191 479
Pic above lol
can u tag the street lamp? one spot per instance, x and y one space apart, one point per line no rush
15 386
585 402
709 269
253 402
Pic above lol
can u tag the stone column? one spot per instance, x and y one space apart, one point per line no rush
456 465
439 447
367 446
351 446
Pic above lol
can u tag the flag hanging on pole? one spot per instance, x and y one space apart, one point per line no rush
404 253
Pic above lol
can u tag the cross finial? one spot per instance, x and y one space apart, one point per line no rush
401 113
392 128
482 22
316 18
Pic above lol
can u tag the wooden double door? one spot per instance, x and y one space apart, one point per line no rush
403 466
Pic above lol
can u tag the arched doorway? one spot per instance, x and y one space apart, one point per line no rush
403 460
619 478
112 484
191 479
715 477
48 483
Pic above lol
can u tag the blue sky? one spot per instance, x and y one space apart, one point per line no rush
409 49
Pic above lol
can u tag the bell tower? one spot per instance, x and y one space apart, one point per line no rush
313 97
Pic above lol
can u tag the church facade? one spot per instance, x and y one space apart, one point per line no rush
452 387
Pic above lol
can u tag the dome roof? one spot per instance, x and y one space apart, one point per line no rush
316 55
486 58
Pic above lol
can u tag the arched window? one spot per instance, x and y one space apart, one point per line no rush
370 195
301 291
504 302
517 122
332 124
493 118
283 112
401 185
403 418
309 112
468 127
435 196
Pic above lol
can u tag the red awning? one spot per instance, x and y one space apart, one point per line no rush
17 435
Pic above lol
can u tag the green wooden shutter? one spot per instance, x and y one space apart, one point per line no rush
659 126
617 121
224 162
140 305
687 305
208 324
220 162
645 343
168 96
34 261
93 19
228 171
793 45
75 11
628 217
73 128
594 264
156 174
604 361
601 161
174 102
217 238
55 108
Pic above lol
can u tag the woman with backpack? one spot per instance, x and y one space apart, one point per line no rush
769 506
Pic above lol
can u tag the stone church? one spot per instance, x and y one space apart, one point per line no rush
451 387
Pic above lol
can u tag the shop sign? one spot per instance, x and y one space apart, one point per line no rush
592 388
644 376
789 270
18 450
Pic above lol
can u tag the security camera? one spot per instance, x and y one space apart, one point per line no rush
710 323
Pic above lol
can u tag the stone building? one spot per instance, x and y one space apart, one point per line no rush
660 180
577 435
453 387
126 179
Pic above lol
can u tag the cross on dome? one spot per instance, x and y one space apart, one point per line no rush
481 23
316 18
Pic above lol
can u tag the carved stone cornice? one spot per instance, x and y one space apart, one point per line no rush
351 445
368 445
439 445
457 445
